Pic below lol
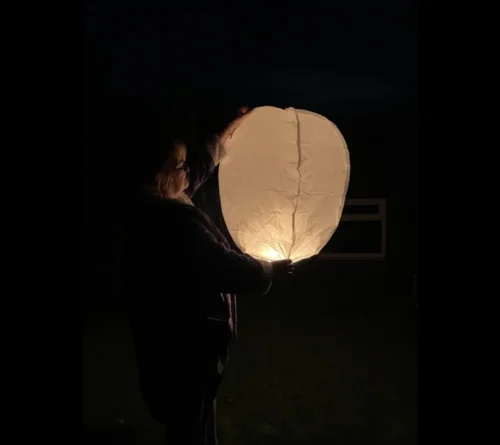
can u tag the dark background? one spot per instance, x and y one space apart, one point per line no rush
330 357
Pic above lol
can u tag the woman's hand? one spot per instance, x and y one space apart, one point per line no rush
282 268
233 125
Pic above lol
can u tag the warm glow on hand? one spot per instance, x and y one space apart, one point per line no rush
232 127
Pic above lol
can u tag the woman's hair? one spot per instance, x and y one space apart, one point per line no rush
163 179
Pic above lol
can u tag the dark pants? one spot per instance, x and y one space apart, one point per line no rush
181 392
201 432
194 421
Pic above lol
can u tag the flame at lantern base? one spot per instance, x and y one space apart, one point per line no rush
267 253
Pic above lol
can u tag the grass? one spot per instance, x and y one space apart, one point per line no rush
299 374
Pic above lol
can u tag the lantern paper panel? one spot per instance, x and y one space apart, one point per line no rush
283 183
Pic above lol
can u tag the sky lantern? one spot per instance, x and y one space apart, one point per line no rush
283 183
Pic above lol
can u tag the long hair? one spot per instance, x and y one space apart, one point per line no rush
163 179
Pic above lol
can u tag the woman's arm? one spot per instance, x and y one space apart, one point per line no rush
203 164
211 262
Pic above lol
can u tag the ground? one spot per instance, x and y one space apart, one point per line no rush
302 372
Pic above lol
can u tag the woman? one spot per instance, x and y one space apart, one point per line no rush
182 276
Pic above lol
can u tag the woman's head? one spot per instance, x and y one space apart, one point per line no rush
173 180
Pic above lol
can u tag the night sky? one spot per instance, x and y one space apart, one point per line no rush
358 50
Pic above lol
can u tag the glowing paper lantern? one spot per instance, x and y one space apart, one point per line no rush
283 183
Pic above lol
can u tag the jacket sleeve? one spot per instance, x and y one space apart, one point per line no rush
224 269
203 164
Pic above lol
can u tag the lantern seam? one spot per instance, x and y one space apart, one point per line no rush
298 187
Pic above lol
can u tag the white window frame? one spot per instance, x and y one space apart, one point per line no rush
381 215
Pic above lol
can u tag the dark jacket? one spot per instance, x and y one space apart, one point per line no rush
181 278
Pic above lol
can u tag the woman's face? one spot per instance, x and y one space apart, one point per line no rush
180 181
